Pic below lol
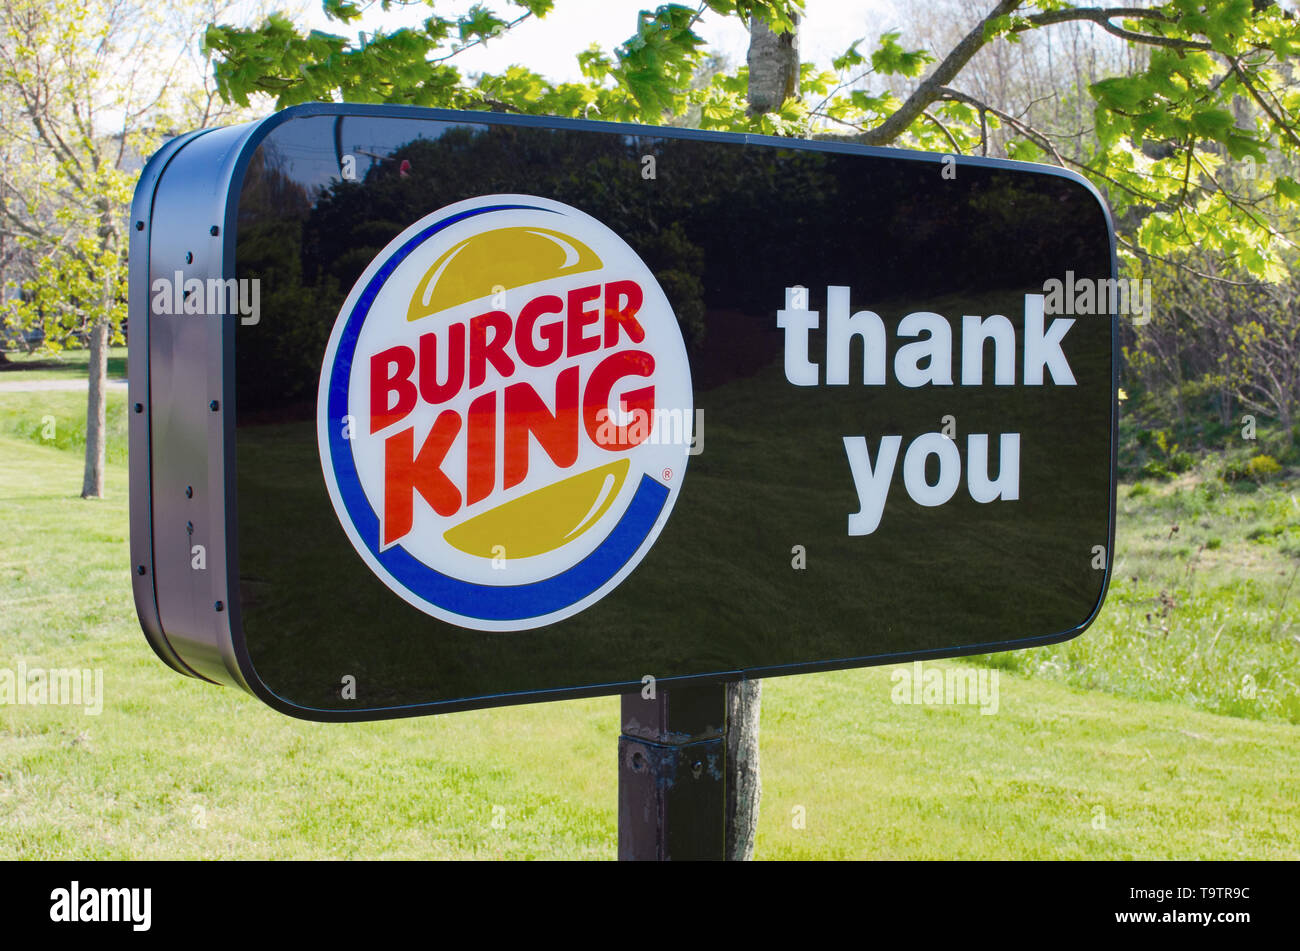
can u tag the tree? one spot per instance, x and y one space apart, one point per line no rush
1162 132
89 89
15 260
1237 341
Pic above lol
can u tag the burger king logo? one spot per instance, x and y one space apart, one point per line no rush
504 412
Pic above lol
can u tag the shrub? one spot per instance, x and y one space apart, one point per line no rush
1234 470
1262 468
1156 470
1139 489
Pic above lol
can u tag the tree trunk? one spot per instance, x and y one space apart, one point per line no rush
773 78
92 482
773 61
744 785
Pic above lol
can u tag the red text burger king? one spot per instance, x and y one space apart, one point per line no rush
487 412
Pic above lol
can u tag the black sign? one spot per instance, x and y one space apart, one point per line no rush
441 410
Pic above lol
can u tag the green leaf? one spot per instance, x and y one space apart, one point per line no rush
480 22
849 58
891 59
1212 123
1287 188
341 10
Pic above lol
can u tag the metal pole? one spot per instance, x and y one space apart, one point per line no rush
672 800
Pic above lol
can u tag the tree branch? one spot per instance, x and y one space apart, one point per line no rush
944 129
1102 16
928 92
456 50
1244 77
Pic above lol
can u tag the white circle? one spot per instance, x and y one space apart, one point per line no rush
385 326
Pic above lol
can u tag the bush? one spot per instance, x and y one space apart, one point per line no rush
1287 454
1264 533
1214 544
1235 470
1156 470
1262 468
1139 489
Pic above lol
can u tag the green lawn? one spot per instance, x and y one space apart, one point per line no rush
176 768
58 419
64 365
1204 607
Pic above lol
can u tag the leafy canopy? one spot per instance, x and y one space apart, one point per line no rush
1195 148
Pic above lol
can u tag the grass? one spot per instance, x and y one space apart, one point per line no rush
64 365
58 419
177 768
1204 607
1169 730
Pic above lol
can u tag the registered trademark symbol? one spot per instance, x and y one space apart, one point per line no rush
668 475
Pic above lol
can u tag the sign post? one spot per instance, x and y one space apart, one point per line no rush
672 802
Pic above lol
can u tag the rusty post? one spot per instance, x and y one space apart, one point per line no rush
672 775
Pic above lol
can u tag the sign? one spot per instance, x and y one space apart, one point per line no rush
438 410
509 359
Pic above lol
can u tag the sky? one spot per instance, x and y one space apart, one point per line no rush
550 46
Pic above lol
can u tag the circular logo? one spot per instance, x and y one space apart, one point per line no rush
505 412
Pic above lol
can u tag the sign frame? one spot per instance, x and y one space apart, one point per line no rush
184 218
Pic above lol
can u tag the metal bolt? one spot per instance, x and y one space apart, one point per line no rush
139 569
139 407
214 231
214 406
189 491
219 606
139 226
189 257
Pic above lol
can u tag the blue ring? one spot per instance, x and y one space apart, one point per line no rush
466 598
